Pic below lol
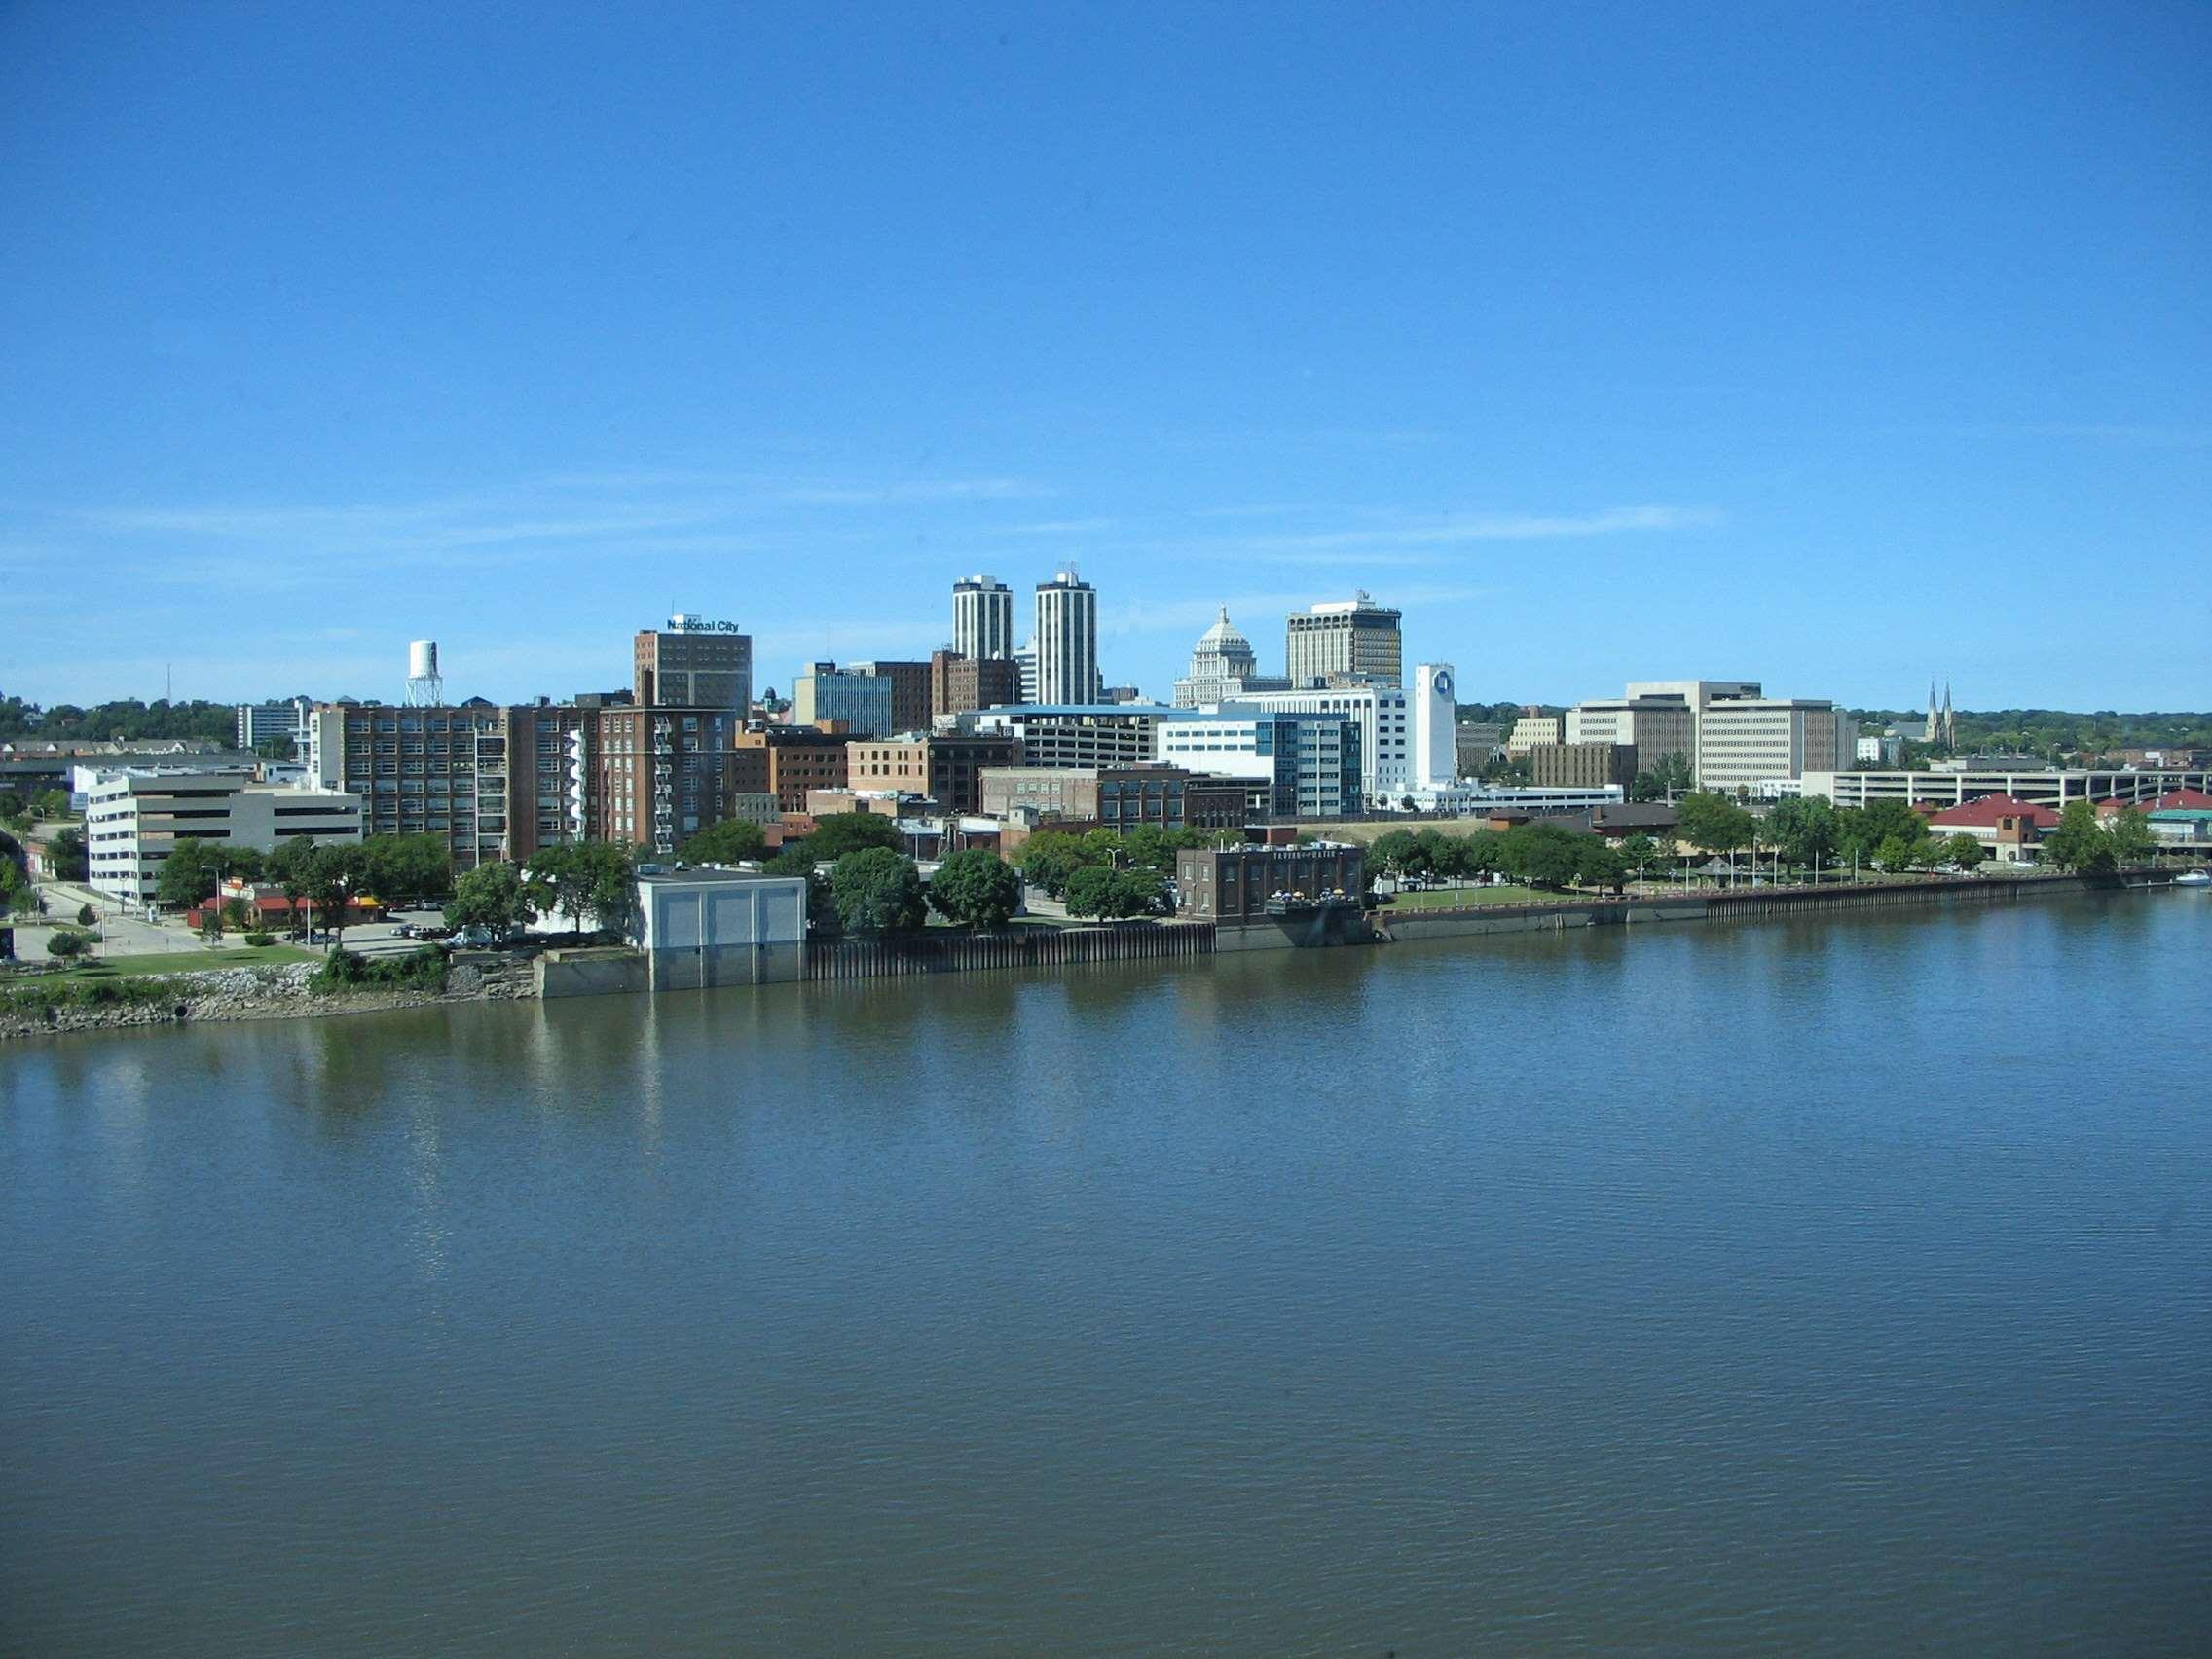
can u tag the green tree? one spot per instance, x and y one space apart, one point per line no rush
877 891
1640 849
13 808
1146 847
1544 855
1964 851
84 916
50 804
1050 857
2133 840
1113 893
837 833
2078 843
290 866
1089 891
407 867
1714 824
489 896
190 875
1861 832
1806 831
1399 852
1136 892
1600 864
974 888
734 840
63 946
1895 854
68 851
334 875
582 880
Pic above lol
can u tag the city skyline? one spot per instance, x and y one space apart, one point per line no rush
1725 355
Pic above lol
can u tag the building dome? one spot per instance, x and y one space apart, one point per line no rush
1223 639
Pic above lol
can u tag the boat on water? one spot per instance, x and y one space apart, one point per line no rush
2193 878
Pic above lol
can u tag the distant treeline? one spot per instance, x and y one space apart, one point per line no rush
127 718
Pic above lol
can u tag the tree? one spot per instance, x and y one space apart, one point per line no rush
974 888
1862 831
1546 855
68 851
1640 849
1674 774
1964 851
489 896
1113 893
1895 854
837 833
734 840
1600 864
1714 824
2132 838
50 804
333 877
411 867
84 916
1089 891
1137 893
1146 847
1399 852
1806 831
63 946
2078 843
190 875
877 891
14 809
1050 857
594 879
290 866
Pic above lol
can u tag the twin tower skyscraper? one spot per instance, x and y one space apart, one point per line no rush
1060 662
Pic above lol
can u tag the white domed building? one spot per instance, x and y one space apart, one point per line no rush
1223 665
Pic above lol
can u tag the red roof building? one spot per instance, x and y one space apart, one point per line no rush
1988 812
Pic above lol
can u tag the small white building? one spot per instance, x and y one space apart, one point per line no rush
135 819
710 926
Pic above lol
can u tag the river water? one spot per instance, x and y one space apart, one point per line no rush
1841 1287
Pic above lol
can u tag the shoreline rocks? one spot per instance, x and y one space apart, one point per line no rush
234 994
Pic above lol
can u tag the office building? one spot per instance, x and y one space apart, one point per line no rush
959 683
1115 797
135 819
826 694
1379 712
982 619
948 767
1354 638
1223 665
1076 734
786 761
1433 708
651 777
1758 743
430 771
1531 728
693 663
909 692
1583 765
258 722
1655 727
1478 743
1309 761
1066 641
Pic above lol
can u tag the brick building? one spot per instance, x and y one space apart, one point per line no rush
791 760
959 683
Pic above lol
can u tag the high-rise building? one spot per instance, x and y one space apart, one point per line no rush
1435 709
1223 664
694 664
910 691
1377 712
982 618
258 722
825 692
1067 640
1344 638
959 683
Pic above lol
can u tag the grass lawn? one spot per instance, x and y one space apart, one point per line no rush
135 966
1466 898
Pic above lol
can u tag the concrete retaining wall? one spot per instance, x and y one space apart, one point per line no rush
590 973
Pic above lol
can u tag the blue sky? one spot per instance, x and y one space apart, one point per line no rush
1832 347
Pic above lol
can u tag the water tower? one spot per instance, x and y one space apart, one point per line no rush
426 687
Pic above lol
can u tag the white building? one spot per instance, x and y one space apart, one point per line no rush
1655 727
134 820
1311 762
719 927
258 722
1746 742
1223 665
2037 788
1880 752
1379 711
1074 734
1067 641
1435 712
982 618
1532 730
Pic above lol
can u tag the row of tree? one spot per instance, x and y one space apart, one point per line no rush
1810 833
582 881
393 868
1540 855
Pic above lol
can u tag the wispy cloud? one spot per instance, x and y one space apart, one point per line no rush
1062 527
909 491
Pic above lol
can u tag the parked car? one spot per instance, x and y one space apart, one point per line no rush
405 930
474 939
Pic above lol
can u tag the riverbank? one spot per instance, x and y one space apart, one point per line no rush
38 1007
